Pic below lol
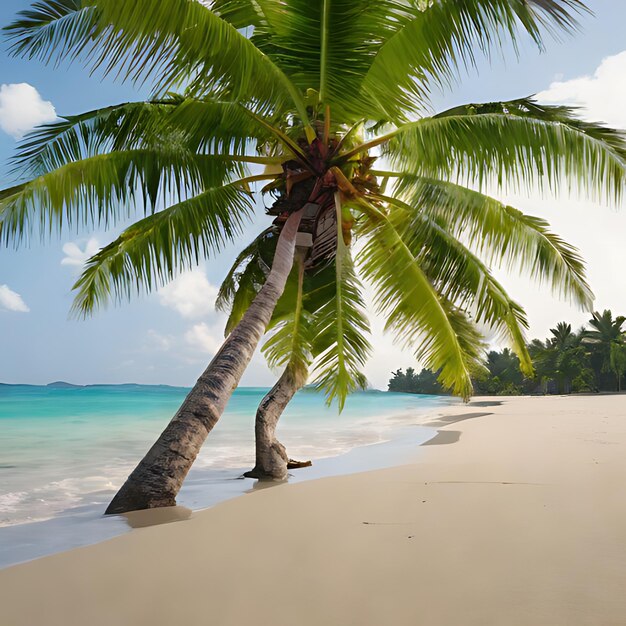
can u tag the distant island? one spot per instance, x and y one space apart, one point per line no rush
61 384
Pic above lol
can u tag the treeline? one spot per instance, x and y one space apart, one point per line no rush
591 359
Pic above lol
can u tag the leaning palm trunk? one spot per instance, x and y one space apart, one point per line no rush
272 461
271 456
157 479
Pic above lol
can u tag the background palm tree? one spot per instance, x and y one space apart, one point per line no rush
317 93
617 360
561 357
503 375
607 335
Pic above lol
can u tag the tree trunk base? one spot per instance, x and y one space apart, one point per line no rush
261 474
134 498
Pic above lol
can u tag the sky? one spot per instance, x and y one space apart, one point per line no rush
169 336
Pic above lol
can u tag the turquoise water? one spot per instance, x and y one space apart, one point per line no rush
63 449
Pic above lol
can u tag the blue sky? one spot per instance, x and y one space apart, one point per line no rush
169 337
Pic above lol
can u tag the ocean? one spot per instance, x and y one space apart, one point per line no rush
65 451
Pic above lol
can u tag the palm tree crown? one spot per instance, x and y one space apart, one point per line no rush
308 97
562 355
609 336
605 329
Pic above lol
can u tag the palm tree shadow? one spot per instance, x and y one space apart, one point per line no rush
444 437
446 420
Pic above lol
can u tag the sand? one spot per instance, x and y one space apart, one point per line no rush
513 515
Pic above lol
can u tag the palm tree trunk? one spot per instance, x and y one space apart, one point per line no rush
156 481
271 456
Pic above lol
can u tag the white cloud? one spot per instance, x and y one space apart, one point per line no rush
22 108
204 339
160 342
191 294
601 97
75 256
12 301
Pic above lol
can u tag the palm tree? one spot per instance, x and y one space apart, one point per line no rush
316 93
562 357
502 376
617 360
607 335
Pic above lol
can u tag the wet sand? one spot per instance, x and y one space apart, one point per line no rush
516 517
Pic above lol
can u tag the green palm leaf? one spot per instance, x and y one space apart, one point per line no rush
97 191
370 59
340 326
407 299
240 13
350 32
324 47
154 249
246 277
440 36
170 42
501 234
529 108
200 126
511 149
53 30
460 276
471 340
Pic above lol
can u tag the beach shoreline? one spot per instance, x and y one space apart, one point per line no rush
513 516
400 431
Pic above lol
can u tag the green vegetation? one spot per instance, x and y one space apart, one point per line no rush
588 360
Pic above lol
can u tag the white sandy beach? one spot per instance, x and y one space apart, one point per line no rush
515 516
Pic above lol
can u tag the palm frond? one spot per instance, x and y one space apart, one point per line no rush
324 47
153 250
239 13
460 276
529 108
340 326
245 278
470 338
501 234
513 149
166 42
407 299
441 37
200 126
97 191
351 32
52 30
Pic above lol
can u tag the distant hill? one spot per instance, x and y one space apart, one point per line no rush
61 384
